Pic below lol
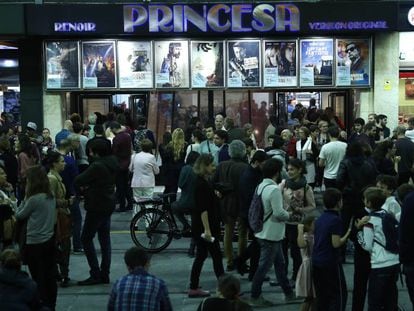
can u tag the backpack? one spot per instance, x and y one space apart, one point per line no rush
256 212
391 231
139 135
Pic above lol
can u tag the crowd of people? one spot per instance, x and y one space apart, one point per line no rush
227 182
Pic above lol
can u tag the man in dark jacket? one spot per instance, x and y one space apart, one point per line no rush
355 173
249 180
228 176
98 185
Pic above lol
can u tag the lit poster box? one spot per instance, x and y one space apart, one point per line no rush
353 62
316 61
280 62
243 63
62 64
98 64
207 64
135 64
171 64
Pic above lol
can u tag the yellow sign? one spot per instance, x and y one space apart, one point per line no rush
387 85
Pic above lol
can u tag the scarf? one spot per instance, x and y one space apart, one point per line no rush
295 185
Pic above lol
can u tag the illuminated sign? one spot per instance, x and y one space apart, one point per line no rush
348 25
411 16
218 18
74 27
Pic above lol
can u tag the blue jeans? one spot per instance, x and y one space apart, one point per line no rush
382 289
270 253
77 224
101 224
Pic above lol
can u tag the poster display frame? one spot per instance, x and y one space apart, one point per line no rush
282 63
364 62
52 81
91 81
134 81
308 74
235 74
161 77
222 62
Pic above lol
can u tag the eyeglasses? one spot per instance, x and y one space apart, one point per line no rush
351 49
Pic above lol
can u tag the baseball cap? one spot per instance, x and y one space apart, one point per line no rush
32 125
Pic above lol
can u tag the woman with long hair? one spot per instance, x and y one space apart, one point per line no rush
173 161
205 224
55 162
298 199
39 208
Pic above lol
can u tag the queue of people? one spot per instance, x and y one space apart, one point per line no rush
220 171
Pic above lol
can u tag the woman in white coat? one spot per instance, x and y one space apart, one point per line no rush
144 168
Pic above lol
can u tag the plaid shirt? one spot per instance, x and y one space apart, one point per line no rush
139 290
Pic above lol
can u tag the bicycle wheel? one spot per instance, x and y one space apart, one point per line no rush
152 230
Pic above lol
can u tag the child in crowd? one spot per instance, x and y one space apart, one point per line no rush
382 284
388 184
304 283
327 272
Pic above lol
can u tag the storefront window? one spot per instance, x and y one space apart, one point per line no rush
185 108
237 107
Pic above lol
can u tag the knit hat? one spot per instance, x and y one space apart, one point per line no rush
32 125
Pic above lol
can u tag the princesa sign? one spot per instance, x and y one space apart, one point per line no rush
216 18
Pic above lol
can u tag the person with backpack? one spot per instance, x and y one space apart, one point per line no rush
267 219
249 180
379 236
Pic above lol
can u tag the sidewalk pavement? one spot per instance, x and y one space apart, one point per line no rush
173 266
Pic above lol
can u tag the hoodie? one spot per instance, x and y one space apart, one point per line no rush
18 291
98 183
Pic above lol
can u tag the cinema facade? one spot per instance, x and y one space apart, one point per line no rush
171 62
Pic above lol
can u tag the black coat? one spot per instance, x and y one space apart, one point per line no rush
229 173
98 182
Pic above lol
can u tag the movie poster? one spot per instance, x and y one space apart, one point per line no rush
135 64
62 64
98 60
243 65
279 59
353 58
207 64
171 64
316 60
